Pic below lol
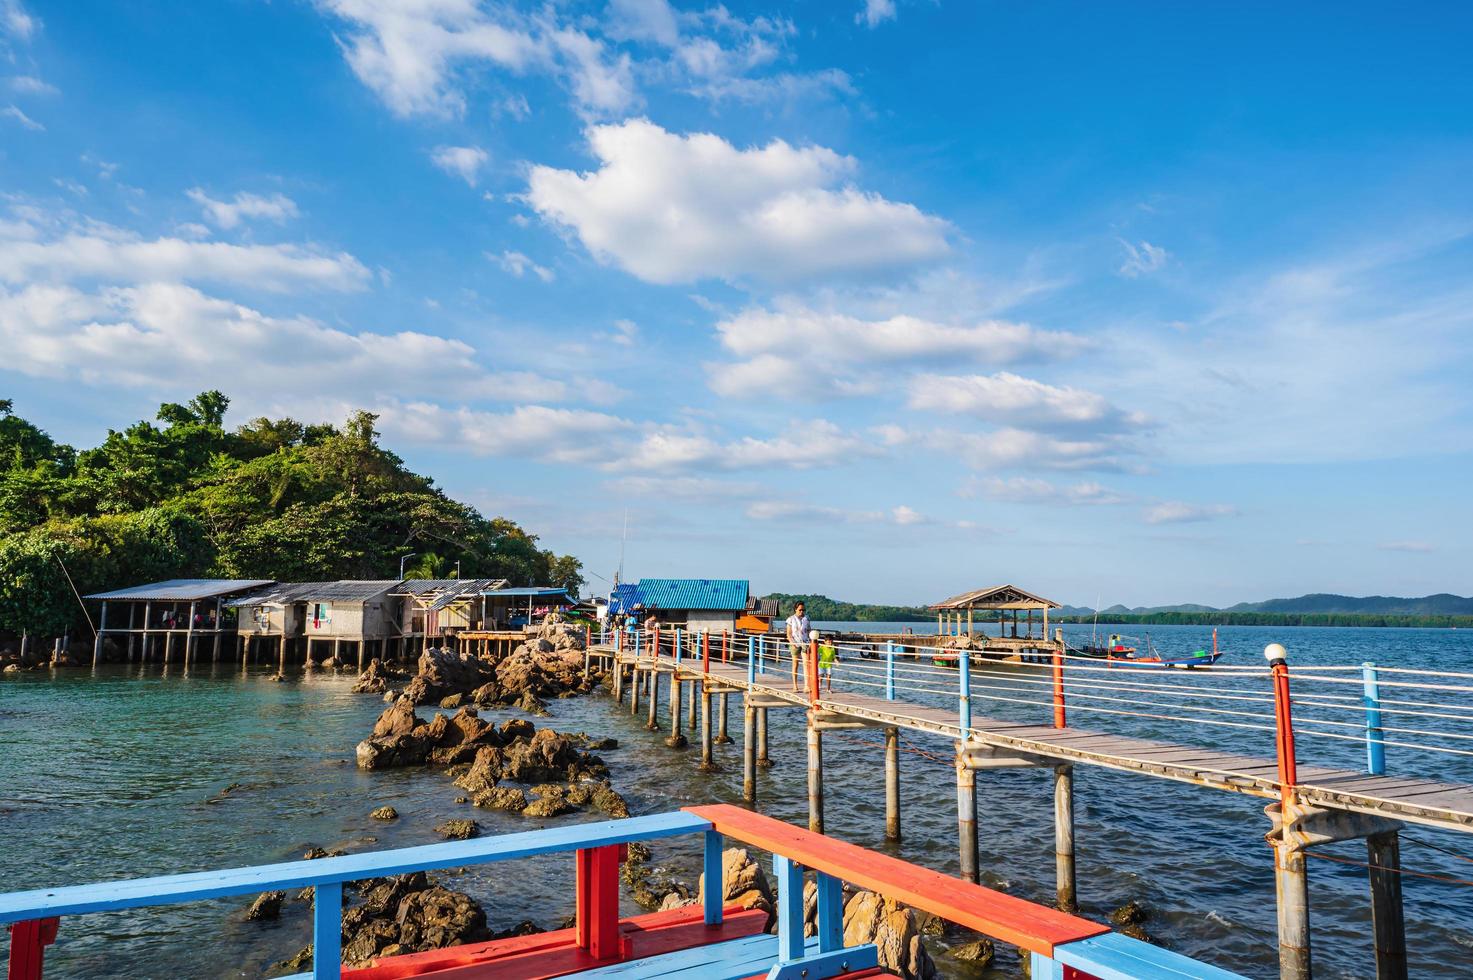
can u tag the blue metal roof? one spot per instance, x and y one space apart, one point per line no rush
681 593
531 590
183 589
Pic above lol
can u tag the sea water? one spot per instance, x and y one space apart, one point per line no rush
125 772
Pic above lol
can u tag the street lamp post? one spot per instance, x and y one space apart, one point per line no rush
402 560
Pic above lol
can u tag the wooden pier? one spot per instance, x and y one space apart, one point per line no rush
1323 805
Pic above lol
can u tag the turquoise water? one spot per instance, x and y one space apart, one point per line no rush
113 775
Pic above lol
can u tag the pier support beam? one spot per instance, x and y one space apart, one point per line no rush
892 785
764 761
721 737
652 723
1383 854
677 687
281 659
966 816
708 763
618 682
749 752
634 693
1291 886
1064 837
690 713
815 776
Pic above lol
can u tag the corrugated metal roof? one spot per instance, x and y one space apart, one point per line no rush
424 586
347 590
183 589
531 590
683 593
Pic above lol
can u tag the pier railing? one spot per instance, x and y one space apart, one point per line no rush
1296 714
1059 943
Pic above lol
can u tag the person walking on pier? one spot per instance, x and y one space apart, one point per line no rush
828 656
799 634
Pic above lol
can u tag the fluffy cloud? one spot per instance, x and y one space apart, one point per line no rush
464 162
15 22
800 350
1031 490
34 248
228 214
14 112
1180 512
1414 547
670 208
1010 399
875 12
151 336
557 435
804 445
1141 259
31 85
1010 448
517 264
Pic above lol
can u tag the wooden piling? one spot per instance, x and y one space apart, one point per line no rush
1383 854
708 763
966 814
815 775
1064 838
281 661
892 784
634 693
618 681
749 752
721 737
690 711
763 759
653 723
677 688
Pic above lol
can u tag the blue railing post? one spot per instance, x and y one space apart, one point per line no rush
789 875
715 892
677 646
638 636
761 654
327 931
1375 740
751 660
830 913
890 670
964 683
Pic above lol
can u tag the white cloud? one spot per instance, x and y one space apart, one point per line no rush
1142 259
670 208
625 333
1180 512
1010 399
517 264
558 435
16 22
692 488
408 51
798 351
464 162
74 250
1031 490
803 445
645 20
875 12
1413 547
31 85
602 83
228 214
1022 449
793 512
14 112
153 335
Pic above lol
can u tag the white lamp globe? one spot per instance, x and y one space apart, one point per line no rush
1275 651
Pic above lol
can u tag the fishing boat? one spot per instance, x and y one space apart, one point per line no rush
1114 647
1153 658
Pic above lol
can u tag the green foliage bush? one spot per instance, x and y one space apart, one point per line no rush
184 497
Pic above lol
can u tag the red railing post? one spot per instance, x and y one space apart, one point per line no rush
812 671
1278 662
705 651
725 646
28 942
597 907
655 659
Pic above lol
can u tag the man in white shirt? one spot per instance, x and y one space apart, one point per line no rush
798 636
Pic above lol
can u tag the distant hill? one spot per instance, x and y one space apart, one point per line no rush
1441 604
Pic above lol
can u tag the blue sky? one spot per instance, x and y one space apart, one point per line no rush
1145 302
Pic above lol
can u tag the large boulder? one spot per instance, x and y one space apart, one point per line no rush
873 918
545 757
398 719
743 882
442 673
390 751
375 679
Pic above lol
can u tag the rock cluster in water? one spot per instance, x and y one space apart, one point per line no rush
559 770
548 665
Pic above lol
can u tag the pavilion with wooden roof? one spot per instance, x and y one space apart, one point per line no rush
1002 599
